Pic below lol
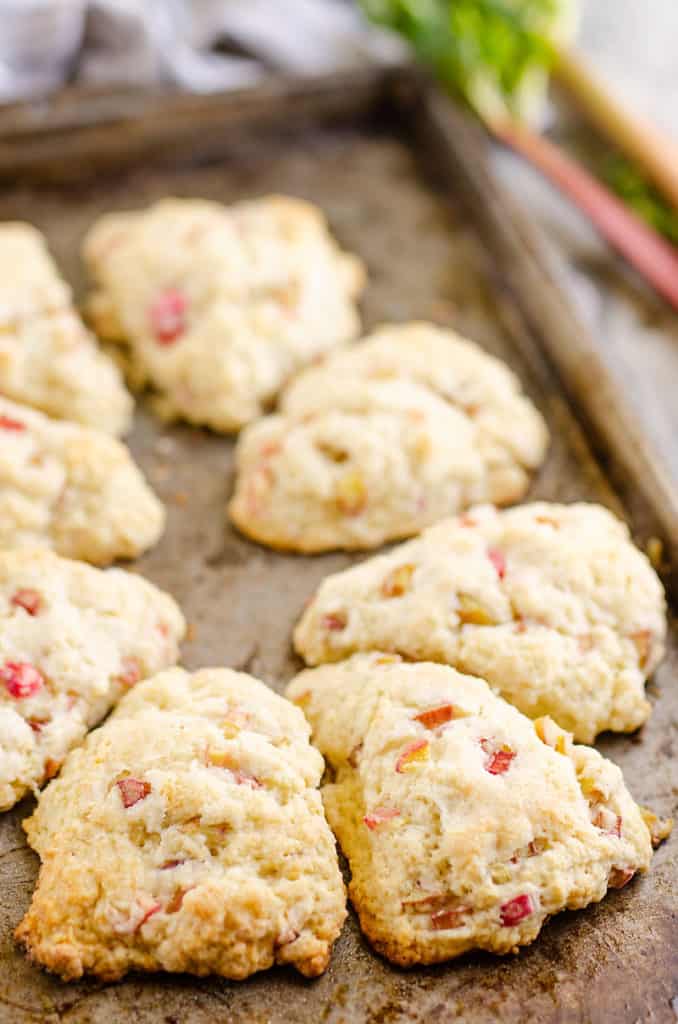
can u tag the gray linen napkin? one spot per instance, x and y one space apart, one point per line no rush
44 42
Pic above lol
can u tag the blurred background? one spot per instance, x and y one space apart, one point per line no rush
210 45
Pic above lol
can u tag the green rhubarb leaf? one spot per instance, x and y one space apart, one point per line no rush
493 53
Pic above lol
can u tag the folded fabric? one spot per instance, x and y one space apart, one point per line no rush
143 42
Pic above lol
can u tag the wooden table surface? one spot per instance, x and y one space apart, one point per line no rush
635 46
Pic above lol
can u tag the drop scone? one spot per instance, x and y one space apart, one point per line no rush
465 824
219 305
73 639
552 604
75 490
187 834
383 439
47 358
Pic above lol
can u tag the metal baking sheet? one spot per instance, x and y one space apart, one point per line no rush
616 961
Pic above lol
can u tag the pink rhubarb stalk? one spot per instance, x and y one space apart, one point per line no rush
651 255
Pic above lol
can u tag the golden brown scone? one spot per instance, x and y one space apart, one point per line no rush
383 439
73 639
551 604
220 304
75 490
187 835
465 824
48 359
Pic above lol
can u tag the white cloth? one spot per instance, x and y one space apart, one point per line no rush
141 42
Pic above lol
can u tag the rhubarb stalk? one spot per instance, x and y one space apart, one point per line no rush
496 55
653 257
638 139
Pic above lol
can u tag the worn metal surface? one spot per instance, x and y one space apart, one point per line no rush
613 962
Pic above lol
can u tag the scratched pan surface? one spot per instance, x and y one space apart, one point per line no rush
613 962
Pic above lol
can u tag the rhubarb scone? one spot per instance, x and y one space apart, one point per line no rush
47 358
552 604
510 431
219 305
73 640
384 439
75 490
187 834
465 824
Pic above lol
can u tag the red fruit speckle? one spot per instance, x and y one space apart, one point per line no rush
334 622
516 910
380 814
172 864
413 754
245 779
7 423
434 717
28 599
148 913
128 923
168 316
131 672
451 917
499 760
21 679
133 790
498 561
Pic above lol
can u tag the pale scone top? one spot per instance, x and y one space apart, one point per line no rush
465 824
73 639
384 439
75 490
187 834
508 428
47 358
219 305
30 285
552 604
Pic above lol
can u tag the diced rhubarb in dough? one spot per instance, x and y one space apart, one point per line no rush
452 917
10 423
168 316
28 599
434 717
498 561
415 753
133 790
379 815
516 910
21 679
